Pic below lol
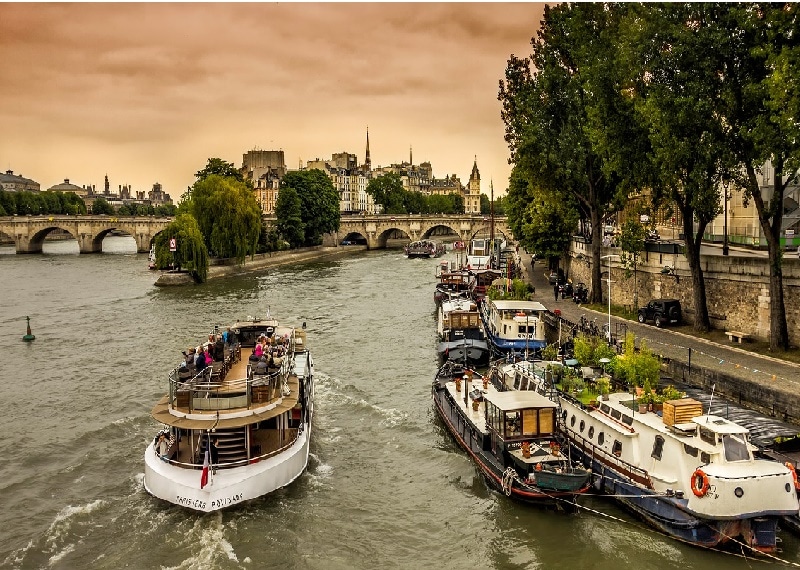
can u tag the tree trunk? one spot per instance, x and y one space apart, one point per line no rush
597 243
771 219
693 242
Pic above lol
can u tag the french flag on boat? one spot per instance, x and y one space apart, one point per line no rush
204 476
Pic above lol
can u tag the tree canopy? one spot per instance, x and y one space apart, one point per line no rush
191 253
227 215
217 166
289 214
319 203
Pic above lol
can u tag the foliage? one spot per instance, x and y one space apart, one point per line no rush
603 385
671 393
39 203
191 254
499 205
557 104
133 209
636 367
519 290
101 206
218 167
227 214
550 352
632 242
319 201
387 191
288 211
589 350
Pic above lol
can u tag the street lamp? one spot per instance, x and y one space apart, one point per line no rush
609 292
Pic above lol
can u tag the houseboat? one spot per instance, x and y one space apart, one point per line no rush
692 476
513 326
460 333
511 436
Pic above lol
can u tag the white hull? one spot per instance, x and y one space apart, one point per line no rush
226 487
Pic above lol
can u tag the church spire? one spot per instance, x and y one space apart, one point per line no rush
410 155
367 161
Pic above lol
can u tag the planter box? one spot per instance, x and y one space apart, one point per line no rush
681 411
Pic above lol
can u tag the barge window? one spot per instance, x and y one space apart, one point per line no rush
735 447
601 438
708 436
547 421
616 449
583 425
658 448
705 457
591 432
530 422
616 414
628 420
605 409
689 450
572 421
513 427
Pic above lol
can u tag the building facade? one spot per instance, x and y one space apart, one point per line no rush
11 182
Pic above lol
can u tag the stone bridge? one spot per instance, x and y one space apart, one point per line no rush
28 232
377 229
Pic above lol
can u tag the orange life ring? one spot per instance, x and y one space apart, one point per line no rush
791 467
700 483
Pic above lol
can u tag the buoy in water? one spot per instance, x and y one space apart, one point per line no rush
28 337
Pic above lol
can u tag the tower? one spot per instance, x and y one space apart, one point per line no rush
367 161
105 190
472 199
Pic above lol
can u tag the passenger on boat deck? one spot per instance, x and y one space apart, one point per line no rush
219 349
200 359
258 351
214 452
261 367
189 354
207 354
163 446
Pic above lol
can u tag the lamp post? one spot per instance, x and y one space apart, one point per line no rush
609 292
725 219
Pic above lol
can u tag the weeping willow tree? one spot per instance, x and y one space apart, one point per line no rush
227 215
191 253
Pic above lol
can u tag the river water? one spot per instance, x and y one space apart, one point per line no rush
386 487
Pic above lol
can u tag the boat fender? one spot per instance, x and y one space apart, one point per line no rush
791 467
700 484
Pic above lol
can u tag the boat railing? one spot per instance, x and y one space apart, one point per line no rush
612 460
206 393
232 464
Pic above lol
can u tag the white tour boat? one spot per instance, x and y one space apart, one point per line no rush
238 429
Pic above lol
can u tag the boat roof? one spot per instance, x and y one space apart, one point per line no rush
518 400
518 305
719 424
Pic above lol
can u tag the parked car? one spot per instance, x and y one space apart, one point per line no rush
553 277
661 312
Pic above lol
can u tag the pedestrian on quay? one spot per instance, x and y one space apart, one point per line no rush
555 291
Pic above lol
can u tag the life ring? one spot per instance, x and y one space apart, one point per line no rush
700 483
520 314
538 466
791 467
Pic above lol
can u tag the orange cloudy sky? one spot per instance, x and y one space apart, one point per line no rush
148 92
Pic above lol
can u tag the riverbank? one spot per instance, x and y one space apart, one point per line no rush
259 262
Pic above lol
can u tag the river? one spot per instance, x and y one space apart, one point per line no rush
386 486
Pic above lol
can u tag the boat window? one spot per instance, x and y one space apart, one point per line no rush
591 432
705 457
564 415
616 449
547 421
658 448
583 425
689 450
513 427
708 436
627 420
516 381
605 408
735 446
616 414
601 438
530 422
572 422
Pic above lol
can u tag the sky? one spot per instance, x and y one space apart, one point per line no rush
147 92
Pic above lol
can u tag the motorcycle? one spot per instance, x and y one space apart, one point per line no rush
580 294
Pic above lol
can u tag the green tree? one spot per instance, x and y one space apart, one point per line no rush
632 243
289 214
416 202
101 206
319 200
191 254
387 191
218 167
227 214
759 59
7 203
675 98
556 102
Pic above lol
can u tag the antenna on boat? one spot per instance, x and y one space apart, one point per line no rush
711 399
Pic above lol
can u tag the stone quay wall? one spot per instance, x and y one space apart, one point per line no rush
737 288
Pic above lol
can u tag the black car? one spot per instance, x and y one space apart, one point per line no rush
661 312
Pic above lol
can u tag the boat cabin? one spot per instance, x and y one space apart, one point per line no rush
517 320
482 280
516 415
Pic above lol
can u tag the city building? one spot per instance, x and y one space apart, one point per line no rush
11 182
264 169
